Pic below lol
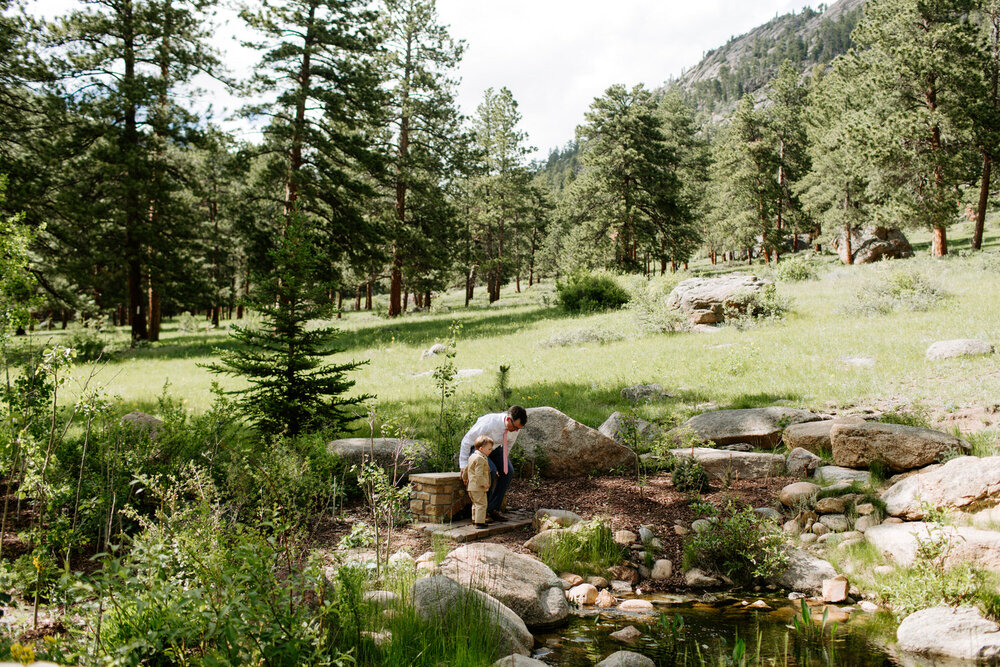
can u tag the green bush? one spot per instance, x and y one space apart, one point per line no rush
589 292
750 308
648 303
894 291
741 545
795 269
688 475
589 548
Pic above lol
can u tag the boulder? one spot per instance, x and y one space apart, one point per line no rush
626 659
605 599
960 347
624 537
696 578
643 392
554 518
144 423
617 428
805 572
705 300
761 427
966 544
948 632
405 455
834 475
599 582
797 493
967 483
735 465
569 448
865 522
636 605
899 447
872 243
583 594
517 660
813 436
831 505
801 462
438 598
837 523
524 584
770 514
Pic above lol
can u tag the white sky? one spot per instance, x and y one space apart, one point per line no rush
555 56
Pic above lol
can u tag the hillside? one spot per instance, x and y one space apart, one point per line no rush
746 63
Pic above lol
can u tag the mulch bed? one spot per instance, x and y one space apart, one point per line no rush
617 498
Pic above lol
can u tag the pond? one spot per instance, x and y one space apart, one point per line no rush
725 630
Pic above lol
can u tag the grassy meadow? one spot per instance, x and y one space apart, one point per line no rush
819 356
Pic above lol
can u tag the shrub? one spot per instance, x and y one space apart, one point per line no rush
589 292
750 308
648 303
897 290
688 475
589 548
582 337
795 269
741 545
915 415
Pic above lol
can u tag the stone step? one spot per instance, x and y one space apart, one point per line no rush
464 531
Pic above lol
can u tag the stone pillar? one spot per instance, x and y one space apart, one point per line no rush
436 497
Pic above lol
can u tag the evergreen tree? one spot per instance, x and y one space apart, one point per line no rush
291 389
987 125
926 80
424 141
786 118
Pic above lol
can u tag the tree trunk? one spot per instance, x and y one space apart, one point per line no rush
368 295
340 304
130 151
847 245
939 242
984 198
427 299
357 297
470 285
154 314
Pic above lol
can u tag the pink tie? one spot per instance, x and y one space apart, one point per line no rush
505 448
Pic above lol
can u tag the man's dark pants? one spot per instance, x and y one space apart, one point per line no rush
501 482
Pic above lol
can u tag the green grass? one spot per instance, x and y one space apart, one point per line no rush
803 360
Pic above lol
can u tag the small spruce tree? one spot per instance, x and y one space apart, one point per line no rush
291 389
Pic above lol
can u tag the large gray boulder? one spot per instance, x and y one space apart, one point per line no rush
704 300
966 544
967 483
144 423
814 436
723 464
617 428
390 453
760 427
960 347
569 448
626 659
439 598
948 632
521 582
805 572
899 447
871 244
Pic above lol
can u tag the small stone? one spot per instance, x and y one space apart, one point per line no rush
883 570
868 607
794 595
636 605
662 569
695 578
619 586
791 527
598 582
847 544
625 537
835 590
605 599
832 505
701 525
835 522
892 519
681 530
864 509
571 579
865 522
759 604
820 529
656 544
627 634
582 594
645 534
797 492
808 538
644 572
769 513
624 573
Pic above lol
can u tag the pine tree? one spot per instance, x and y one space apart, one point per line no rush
926 79
786 119
291 389
425 138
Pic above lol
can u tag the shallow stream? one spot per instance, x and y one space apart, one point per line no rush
689 631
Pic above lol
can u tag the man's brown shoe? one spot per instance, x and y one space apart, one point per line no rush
495 515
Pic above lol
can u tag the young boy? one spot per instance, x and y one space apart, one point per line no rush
478 476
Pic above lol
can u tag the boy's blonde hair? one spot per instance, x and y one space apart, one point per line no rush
482 441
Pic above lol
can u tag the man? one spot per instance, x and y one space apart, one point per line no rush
502 428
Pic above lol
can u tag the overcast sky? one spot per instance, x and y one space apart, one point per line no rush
555 56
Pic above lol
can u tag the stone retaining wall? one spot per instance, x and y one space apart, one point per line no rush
436 497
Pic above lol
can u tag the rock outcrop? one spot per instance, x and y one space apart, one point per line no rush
871 244
947 632
761 427
967 483
960 347
569 448
528 586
